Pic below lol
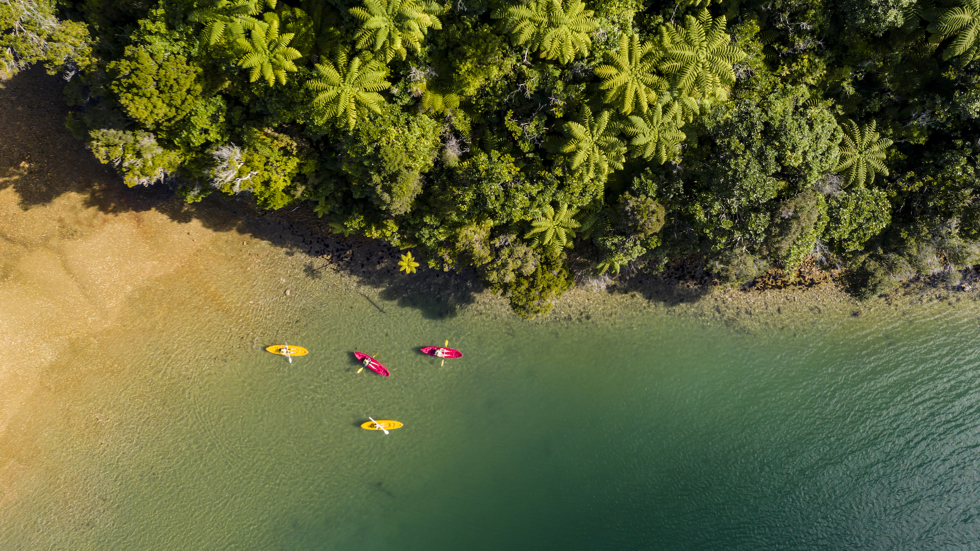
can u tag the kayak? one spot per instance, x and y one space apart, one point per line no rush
387 425
448 353
373 365
283 350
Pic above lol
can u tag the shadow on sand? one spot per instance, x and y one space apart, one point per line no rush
41 161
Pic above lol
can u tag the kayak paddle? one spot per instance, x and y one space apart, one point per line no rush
363 366
377 424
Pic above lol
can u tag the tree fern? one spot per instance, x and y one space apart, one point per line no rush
684 4
594 151
629 79
612 264
229 19
699 55
594 221
963 21
861 154
656 134
388 26
687 107
268 54
347 86
554 230
436 102
300 24
557 29
325 20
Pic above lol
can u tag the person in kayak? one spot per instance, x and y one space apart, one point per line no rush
367 362
441 353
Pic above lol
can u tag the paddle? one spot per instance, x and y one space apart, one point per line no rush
444 359
377 424
285 352
363 366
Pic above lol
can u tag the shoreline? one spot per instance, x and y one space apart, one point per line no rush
50 165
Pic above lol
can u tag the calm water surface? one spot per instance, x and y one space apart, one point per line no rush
176 431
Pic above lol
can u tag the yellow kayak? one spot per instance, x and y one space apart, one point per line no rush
284 350
387 425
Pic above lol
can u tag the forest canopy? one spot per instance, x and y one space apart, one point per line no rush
541 141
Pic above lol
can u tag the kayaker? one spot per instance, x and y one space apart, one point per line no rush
441 353
367 362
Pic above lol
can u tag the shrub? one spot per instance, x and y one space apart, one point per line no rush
875 275
137 155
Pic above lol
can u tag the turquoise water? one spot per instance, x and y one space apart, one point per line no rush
645 432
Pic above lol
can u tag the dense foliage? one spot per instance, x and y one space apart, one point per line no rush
537 140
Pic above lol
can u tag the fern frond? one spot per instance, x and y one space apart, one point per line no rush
556 29
963 22
346 87
862 154
699 55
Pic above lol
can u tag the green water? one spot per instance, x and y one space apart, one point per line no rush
643 432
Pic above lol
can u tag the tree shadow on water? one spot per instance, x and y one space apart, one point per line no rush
41 161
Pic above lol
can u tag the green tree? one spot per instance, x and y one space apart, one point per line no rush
595 151
656 134
510 261
618 251
30 33
862 154
489 187
270 165
347 86
700 55
386 156
137 155
643 216
557 29
155 88
535 295
963 21
267 54
856 216
800 223
554 230
629 78
755 153
387 26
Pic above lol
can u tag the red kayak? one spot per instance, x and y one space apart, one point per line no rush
442 352
371 364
